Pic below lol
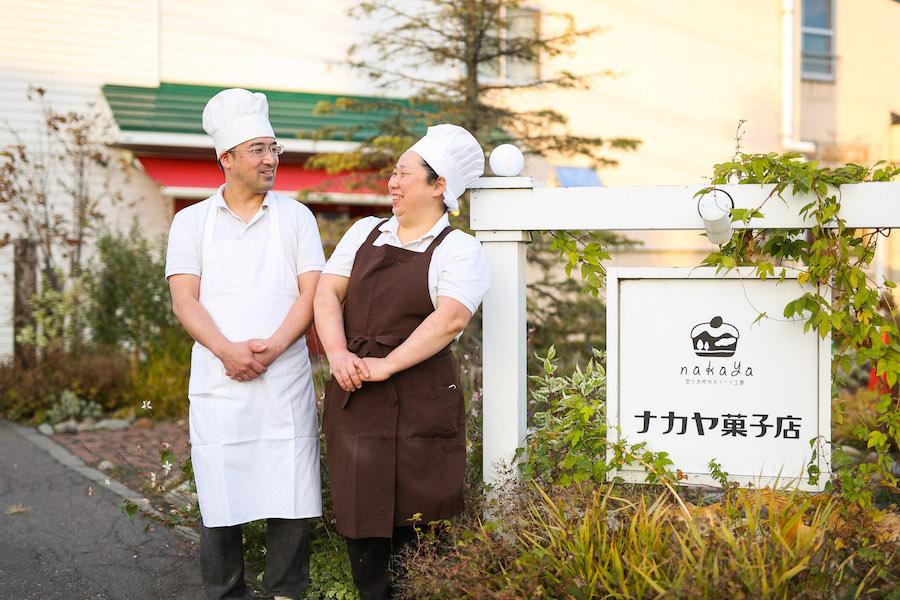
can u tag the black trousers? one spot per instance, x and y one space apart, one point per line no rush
287 560
371 562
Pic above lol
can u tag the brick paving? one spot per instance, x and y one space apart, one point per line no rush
133 453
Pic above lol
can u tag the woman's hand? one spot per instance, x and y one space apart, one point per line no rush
349 370
379 368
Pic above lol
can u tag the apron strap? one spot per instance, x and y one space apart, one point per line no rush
210 226
208 229
276 247
373 235
274 220
438 239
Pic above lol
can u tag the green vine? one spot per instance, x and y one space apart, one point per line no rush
585 251
834 260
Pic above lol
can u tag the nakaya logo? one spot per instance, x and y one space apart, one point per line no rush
716 338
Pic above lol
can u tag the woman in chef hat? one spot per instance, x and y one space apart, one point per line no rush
392 298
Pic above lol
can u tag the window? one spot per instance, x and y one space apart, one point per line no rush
521 24
818 40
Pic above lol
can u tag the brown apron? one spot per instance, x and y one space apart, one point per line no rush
396 447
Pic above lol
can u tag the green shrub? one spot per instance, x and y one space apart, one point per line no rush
130 305
568 439
58 316
106 337
850 410
161 380
28 391
25 392
70 406
329 567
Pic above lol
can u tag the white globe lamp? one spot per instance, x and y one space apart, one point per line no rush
506 160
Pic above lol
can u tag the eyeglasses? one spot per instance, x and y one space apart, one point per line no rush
260 151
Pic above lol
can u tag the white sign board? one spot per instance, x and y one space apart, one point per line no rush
690 371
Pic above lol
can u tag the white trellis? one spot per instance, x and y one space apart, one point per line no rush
505 209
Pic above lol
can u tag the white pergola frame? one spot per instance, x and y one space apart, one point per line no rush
504 210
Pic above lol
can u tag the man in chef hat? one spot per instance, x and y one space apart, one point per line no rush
242 267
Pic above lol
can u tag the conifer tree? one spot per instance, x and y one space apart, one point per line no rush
459 61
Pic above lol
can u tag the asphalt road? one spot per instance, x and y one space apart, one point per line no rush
65 537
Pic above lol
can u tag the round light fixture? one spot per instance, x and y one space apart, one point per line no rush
507 160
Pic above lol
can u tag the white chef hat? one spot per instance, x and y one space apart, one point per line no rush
455 155
234 116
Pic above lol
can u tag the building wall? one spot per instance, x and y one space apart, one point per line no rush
290 45
849 118
70 48
684 73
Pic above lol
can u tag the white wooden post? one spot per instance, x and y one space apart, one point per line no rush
503 342
504 404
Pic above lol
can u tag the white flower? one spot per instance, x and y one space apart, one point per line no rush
167 466
146 405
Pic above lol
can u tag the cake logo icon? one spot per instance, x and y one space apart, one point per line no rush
716 338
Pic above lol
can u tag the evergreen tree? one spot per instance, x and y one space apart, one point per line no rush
458 61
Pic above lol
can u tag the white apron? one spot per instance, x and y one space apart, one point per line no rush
255 444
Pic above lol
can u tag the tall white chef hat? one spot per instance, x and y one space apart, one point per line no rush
455 155
234 116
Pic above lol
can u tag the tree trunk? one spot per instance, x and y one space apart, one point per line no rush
25 286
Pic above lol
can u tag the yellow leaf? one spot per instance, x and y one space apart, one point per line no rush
791 572
888 528
802 278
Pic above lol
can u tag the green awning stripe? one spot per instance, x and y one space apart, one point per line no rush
178 108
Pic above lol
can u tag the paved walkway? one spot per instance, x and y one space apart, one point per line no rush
63 536
132 453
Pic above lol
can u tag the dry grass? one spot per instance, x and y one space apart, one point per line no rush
620 542
17 509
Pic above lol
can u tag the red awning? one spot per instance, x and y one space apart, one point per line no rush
198 173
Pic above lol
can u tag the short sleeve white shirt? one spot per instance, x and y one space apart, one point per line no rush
297 226
458 267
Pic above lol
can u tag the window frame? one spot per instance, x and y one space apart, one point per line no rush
831 76
501 70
